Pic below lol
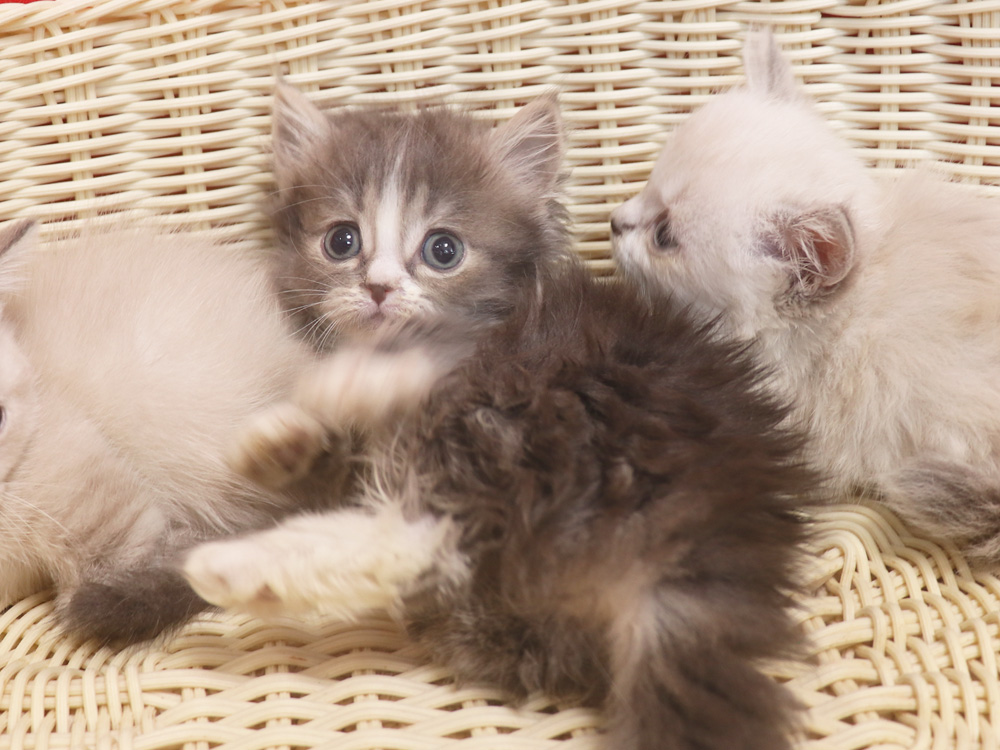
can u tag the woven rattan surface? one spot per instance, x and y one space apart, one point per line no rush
906 657
162 106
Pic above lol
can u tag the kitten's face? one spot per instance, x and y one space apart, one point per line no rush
747 214
383 216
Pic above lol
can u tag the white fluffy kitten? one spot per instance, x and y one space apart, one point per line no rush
876 302
127 361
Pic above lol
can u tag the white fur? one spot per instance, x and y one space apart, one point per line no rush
387 265
127 361
361 387
355 387
340 564
893 366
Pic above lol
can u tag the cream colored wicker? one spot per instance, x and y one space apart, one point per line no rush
162 106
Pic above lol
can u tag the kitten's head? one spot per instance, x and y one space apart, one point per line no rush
382 215
18 401
752 210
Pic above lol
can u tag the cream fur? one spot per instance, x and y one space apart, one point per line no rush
892 366
353 388
127 362
338 564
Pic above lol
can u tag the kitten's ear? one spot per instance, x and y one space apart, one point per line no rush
17 239
819 244
298 126
532 142
768 71
17 236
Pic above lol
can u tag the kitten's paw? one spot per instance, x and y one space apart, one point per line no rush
231 574
279 446
368 388
338 564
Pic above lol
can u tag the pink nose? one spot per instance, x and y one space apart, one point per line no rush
378 292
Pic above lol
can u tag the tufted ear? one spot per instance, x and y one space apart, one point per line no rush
767 70
532 143
298 128
20 234
818 244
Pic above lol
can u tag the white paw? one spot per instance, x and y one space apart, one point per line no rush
367 388
232 575
340 564
278 446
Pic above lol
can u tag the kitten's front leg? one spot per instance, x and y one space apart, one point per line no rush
368 387
341 564
356 387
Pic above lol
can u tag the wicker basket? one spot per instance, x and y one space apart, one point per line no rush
162 106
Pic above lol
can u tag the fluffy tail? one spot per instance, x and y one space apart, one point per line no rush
135 606
949 501
684 678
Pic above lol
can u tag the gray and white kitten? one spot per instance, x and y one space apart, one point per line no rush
374 224
127 361
590 495
873 301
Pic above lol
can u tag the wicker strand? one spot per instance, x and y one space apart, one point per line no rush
162 106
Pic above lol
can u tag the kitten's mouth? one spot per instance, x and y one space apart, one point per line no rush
374 316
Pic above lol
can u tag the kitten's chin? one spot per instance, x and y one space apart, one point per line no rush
371 319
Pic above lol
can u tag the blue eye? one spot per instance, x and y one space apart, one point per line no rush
342 241
443 251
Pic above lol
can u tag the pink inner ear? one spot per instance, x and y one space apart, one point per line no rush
833 261
819 244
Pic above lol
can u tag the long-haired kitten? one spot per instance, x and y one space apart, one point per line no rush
382 215
127 361
873 301
592 497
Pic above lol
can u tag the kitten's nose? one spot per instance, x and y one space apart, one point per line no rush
378 292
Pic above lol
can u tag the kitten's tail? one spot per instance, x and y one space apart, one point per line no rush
135 606
681 684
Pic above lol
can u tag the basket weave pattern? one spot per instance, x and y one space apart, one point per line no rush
161 106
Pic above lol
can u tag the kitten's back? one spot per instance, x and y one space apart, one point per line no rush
146 351
168 351
629 501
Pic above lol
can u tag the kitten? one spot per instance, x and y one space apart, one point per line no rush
374 226
127 361
592 498
873 301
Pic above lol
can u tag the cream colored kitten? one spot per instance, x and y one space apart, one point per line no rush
875 302
127 361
